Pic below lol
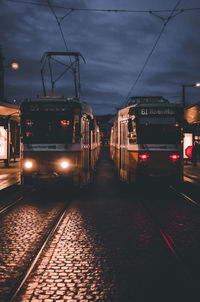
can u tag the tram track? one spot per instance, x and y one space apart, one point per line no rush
169 242
25 226
185 196
9 205
12 296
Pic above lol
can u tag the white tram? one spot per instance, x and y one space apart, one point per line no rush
60 140
146 141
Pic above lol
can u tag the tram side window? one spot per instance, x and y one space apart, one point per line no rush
85 132
123 133
76 129
94 137
116 134
132 134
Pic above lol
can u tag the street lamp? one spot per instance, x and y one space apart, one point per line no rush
183 91
13 66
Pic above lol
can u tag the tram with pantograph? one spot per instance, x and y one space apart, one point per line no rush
146 141
60 138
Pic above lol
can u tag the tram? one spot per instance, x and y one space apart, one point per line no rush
60 140
146 141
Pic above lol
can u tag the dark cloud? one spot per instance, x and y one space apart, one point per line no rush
114 45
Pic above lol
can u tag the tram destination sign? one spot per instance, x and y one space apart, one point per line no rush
37 107
157 111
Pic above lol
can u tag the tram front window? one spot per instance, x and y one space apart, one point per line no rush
48 130
159 134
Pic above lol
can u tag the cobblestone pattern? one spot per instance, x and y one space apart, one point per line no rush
106 249
9 195
22 230
73 267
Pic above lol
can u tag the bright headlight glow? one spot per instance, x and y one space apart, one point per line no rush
28 164
64 164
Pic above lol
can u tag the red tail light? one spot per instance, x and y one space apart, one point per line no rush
29 134
29 123
143 156
174 156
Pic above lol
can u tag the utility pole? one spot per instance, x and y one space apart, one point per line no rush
1 76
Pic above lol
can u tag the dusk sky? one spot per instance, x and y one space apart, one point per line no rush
115 46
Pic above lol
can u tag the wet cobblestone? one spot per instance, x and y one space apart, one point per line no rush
68 271
22 230
106 249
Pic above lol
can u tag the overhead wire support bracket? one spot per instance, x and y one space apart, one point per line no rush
166 20
73 66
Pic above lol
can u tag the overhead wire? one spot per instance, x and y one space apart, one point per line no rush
59 25
71 9
166 21
103 10
59 20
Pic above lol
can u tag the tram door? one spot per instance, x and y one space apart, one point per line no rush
123 150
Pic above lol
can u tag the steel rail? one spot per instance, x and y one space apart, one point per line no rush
167 239
186 197
5 208
169 243
11 297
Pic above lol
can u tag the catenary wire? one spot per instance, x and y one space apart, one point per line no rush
105 10
59 25
150 53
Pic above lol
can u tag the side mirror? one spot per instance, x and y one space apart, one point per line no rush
130 126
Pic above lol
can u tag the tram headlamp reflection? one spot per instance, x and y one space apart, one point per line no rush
64 164
28 164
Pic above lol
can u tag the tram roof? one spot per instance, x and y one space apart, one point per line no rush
125 111
60 99
9 110
51 99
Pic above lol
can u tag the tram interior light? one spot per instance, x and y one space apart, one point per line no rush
64 123
174 156
143 156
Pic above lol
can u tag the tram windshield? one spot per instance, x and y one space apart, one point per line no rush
159 134
48 129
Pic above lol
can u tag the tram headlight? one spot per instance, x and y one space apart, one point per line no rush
28 164
64 164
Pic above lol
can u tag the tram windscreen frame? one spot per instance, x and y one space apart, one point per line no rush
158 134
159 125
48 127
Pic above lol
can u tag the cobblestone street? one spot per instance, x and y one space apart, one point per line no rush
106 249
22 231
